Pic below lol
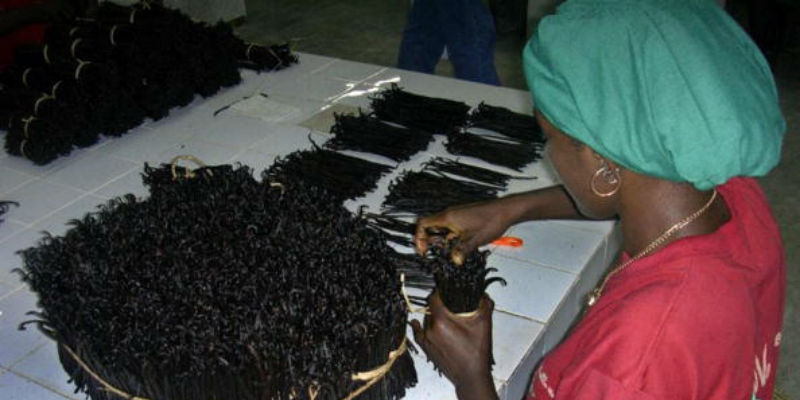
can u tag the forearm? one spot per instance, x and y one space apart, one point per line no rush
549 203
478 389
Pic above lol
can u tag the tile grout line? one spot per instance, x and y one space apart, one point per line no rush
40 383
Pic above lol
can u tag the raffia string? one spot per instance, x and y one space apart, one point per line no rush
106 386
189 173
46 54
27 121
55 88
25 76
111 35
78 70
424 310
75 44
372 377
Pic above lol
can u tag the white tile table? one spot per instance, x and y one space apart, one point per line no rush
547 277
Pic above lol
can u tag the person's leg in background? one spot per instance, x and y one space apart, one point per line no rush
423 42
469 34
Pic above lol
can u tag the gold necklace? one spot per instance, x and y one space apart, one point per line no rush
595 294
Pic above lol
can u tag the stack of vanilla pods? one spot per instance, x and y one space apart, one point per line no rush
220 286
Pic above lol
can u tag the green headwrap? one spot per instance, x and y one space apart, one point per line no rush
671 88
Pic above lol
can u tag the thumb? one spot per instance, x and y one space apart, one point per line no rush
460 251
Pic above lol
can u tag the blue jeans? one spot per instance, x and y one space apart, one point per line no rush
465 27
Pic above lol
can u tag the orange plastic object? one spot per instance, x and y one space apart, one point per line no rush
509 241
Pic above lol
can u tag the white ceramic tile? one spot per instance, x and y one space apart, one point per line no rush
11 180
249 86
131 182
210 154
8 288
143 145
14 343
39 198
57 223
91 171
603 226
349 70
188 120
26 166
43 367
531 290
254 159
236 131
15 387
9 259
554 245
284 139
8 228
308 63
311 87
512 337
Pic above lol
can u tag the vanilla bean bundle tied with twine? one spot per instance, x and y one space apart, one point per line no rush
220 286
105 75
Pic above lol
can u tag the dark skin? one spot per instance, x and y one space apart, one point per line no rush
646 207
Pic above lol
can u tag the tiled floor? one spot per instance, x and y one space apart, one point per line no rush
370 31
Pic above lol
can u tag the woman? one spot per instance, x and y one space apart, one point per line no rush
657 113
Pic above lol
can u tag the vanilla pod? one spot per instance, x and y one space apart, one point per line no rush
369 134
506 122
422 193
461 287
510 153
435 115
443 165
346 177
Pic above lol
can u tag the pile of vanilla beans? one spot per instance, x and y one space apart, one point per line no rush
105 75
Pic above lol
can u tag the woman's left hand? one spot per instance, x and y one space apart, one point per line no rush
460 346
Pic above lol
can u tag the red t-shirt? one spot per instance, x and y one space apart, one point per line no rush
28 34
699 319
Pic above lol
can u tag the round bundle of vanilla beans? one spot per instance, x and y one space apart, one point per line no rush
461 287
422 193
369 134
435 115
506 122
219 286
110 72
345 177
506 152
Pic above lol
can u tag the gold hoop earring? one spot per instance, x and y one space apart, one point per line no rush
611 176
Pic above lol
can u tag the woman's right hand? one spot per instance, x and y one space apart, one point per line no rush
472 224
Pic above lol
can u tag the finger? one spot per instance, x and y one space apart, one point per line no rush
487 303
435 304
419 335
461 249
421 236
